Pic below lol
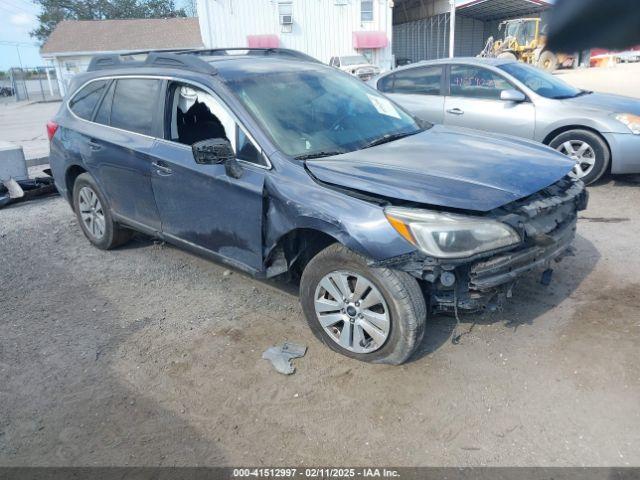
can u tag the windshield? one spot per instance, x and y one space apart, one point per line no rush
512 29
353 60
320 111
541 82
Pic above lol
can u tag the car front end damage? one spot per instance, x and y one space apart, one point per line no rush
546 223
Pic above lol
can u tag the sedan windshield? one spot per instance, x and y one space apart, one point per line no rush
321 111
541 82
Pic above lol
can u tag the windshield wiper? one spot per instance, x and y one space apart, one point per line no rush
390 137
579 94
309 156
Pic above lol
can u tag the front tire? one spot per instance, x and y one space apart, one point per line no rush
370 314
548 61
94 215
587 149
507 56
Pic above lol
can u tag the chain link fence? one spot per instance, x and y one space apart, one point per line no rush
38 84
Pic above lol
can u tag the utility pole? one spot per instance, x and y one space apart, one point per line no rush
19 57
452 27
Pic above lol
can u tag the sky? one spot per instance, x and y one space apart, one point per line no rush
17 19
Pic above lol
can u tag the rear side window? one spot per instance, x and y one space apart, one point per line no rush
83 102
385 84
418 81
476 82
103 115
134 104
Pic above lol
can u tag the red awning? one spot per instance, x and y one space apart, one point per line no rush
263 41
370 39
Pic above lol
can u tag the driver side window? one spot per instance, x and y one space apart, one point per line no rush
194 115
476 82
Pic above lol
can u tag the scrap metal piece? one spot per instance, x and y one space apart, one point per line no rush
281 356
14 189
18 190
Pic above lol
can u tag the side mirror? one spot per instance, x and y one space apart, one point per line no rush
215 151
512 96
212 151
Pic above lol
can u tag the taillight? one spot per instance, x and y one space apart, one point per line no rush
52 127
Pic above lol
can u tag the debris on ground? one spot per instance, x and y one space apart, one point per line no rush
12 190
281 356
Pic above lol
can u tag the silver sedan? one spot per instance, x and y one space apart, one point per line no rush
601 132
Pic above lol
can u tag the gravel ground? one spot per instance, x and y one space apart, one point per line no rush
148 355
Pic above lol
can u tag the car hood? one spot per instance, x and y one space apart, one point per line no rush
607 102
446 167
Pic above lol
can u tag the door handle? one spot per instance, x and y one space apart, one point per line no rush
93 145
162 170
455 111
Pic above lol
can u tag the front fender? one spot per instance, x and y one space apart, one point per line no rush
295 201
600 123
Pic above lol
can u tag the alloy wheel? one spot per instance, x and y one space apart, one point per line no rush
91 212
352 311
581 153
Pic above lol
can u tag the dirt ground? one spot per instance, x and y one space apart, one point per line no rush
148 355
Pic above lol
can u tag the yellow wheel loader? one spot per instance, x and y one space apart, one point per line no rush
524 39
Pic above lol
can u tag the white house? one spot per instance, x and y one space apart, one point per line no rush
73 42
320 28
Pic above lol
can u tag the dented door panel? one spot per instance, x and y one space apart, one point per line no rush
202 205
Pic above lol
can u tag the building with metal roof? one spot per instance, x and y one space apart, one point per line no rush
428 29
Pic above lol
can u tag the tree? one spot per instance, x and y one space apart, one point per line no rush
54 11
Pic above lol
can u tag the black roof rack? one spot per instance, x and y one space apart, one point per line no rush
239 51
153 59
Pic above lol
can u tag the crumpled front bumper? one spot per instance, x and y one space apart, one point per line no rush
505 268
546 221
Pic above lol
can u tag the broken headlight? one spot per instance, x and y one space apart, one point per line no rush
448 235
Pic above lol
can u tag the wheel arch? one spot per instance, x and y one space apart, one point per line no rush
70 176
295 248
565 128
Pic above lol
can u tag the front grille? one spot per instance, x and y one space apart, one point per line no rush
546 221
539 215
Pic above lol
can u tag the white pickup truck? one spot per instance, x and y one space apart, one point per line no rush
356 65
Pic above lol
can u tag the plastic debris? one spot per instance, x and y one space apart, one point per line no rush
12 190
281 356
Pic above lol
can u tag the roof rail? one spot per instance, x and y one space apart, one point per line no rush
153 59
239 51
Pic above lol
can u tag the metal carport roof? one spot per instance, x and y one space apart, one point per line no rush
501 9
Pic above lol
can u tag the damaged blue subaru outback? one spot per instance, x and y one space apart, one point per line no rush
276 164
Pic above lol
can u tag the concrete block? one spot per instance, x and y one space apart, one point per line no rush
12 162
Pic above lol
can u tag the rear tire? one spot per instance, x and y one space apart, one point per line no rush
94 215
547 61
401 302
587 149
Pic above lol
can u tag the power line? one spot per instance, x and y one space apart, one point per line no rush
16 9
18 44
31 4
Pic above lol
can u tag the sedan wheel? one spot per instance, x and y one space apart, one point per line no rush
91 212
588 150
580 152
352 311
